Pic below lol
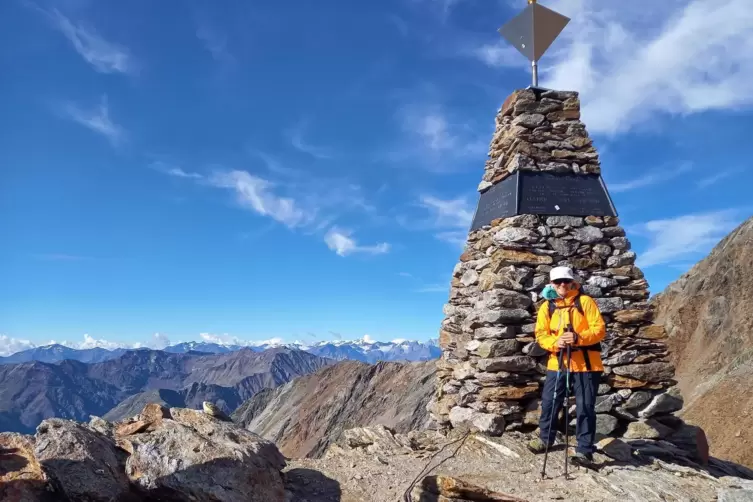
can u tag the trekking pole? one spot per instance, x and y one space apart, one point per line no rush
551 416
567 406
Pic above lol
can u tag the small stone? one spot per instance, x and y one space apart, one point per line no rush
647 429
653 332
605 424
472 345
604 389
504 298
609 305
627 258
667 402
509 363
651 372
621 358
503 257
507 393
604 404
515 235
529 120
616 449
494 333
484 186
469 278
564 221
563 247
592 291
602 282
602 250
622 382
498 348
620 243
588 234
461 417
633 316
596 221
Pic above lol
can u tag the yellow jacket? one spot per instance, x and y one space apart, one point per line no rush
590 329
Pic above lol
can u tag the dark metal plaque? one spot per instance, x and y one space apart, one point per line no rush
499 201
528 192
566 194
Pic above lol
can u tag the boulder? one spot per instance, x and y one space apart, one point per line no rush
83 463
194 456
651 372
647 429
616 449
667 402
605 424
446 488
487 423
21 476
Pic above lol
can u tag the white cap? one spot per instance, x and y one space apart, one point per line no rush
561 273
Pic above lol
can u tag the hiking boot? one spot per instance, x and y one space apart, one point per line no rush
536 445
582 459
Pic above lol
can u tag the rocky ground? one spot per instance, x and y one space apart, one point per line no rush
708 316
373 465
179 454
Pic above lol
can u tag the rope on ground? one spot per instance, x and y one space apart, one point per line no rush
406 495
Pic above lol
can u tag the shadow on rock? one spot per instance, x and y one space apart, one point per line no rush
307 485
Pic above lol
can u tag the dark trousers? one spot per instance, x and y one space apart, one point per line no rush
586 384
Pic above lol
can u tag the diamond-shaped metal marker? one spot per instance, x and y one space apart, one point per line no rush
533 31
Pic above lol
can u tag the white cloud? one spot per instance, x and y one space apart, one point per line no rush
343 244
10 345
634 60
437 135
678 239
456 213
652 178
226 339
215 42
98 120
450 219
717 177
104 56
257 194
296 137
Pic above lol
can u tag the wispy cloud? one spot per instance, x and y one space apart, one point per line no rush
654 177
102 55
175 171
678 239
296 135
10 345
717 177
449 219
258 195
634 60
341 242
434 288
97 119
214 41
434 139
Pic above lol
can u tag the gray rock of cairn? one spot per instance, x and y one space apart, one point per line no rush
486 379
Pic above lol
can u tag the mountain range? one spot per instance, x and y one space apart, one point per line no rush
365 350
34 390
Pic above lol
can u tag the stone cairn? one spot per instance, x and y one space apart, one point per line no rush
486 378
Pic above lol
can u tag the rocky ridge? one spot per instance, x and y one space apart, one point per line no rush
708 316
489 376
306 415
179 454
33 391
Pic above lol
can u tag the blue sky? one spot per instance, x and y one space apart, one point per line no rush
308 170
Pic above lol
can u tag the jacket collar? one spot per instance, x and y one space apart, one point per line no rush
569 298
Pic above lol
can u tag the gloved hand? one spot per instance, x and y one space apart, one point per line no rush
549 293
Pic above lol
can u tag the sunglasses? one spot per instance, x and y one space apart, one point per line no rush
562 281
